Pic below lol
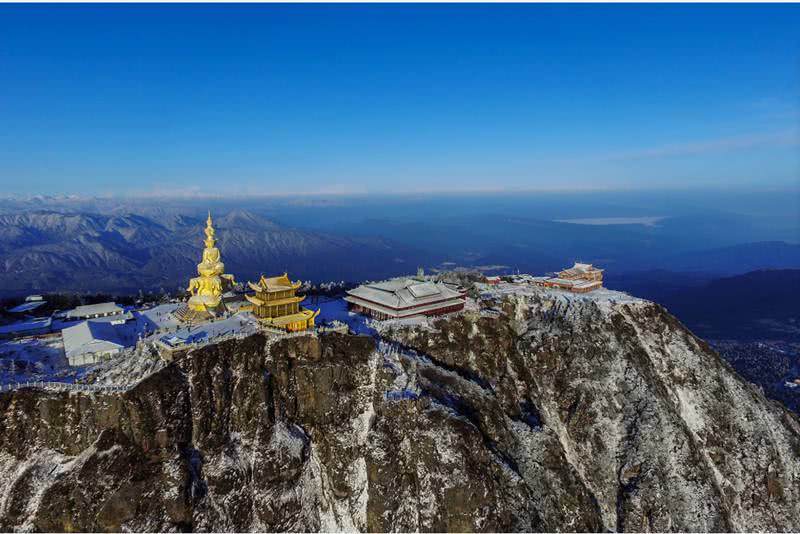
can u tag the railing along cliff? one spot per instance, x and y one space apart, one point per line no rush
64 386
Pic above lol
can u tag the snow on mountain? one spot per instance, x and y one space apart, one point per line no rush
54 251
532 410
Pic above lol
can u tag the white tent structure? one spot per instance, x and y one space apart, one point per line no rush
90 342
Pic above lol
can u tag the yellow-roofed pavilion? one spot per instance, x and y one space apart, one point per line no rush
276 304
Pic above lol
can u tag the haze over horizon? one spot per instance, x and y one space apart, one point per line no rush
161 100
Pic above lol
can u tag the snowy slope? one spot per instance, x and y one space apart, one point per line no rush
532 410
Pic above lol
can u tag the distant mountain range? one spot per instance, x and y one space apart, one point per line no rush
713 243
760 305
54 251
739 258
123 245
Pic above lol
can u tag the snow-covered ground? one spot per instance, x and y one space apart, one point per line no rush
239 324
602 295
335 309
125 370
29 359
43 358
145 323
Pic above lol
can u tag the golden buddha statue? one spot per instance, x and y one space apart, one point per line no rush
207 289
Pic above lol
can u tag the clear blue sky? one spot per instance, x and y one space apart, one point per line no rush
153 99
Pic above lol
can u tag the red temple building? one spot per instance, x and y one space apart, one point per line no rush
580 278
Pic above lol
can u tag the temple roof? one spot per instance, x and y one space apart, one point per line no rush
404 292
274 283
302 315
259 302
95 309
409 312
584 267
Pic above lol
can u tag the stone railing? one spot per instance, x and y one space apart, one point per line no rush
65 386
202 342
276 334
282 334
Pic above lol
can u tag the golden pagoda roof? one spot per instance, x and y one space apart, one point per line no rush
295 317
279 302
254 300
274 283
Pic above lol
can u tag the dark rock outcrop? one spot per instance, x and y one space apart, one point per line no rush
551 415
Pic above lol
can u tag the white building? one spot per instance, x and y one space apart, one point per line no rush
91 342
31 327
93 311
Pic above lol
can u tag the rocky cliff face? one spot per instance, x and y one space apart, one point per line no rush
544 414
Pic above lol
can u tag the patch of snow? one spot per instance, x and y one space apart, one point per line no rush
36 359
335 309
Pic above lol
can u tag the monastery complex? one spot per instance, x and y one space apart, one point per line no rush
218 306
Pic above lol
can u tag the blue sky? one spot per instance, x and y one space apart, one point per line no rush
258 99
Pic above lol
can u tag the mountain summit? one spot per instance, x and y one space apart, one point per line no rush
543 411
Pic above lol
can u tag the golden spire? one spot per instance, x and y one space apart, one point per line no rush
209 241
212 282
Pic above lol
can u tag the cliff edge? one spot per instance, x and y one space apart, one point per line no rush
541 414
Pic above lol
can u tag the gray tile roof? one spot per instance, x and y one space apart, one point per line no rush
95 309
402 293
89 337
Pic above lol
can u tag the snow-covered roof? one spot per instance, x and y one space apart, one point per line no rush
274 283
403 293
27 306
412 311
423 290
24 326
90 336
241 323
582 268
95 309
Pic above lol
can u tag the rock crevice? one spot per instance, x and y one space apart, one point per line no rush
546 416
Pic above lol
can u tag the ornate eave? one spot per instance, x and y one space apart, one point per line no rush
275 283
254 300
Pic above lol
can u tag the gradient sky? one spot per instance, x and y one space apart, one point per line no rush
164 99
